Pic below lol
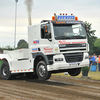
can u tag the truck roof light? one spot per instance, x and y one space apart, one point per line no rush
53 18
60 13
66 13
60 22
63 14
76 18
71 14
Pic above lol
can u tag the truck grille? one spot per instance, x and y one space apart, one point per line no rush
73 57
73 45
73 50
69 48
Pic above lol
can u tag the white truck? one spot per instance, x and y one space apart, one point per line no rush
57 45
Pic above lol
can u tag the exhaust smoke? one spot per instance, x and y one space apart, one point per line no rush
29 4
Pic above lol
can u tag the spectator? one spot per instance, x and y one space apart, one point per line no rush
99 63
95 57
93 60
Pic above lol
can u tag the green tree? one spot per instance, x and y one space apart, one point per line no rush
7 48
22 44
91 37
97 46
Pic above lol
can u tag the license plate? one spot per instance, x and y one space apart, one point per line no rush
73 64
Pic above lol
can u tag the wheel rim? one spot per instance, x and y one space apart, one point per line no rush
5 71
42 70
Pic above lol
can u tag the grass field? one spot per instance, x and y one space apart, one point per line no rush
93 75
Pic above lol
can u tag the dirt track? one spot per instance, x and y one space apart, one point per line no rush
56 88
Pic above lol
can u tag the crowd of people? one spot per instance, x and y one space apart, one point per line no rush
94 60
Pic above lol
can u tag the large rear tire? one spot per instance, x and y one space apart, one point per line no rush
74 72
5 72
42 72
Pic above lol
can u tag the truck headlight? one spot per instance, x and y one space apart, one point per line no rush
59 59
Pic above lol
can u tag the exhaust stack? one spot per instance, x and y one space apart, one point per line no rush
29 4
29 21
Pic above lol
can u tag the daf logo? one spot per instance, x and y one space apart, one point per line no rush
83 44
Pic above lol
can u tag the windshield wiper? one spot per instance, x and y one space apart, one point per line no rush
62 37
78 37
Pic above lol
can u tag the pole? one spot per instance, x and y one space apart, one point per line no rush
16 1
15 23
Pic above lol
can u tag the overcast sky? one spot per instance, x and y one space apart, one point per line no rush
86 10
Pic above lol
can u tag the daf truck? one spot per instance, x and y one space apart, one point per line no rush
57 45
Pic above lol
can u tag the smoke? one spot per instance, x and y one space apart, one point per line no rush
29 4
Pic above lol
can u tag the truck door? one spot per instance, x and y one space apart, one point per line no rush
46 39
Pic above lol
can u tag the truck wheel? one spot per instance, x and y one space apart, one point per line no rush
74 72
5 72
42 72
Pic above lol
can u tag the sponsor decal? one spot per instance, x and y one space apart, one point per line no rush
36 42
48 50
20 50
34 49
64 42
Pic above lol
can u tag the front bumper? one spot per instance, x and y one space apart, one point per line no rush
60 65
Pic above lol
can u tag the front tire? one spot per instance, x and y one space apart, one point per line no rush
42 72
74 72
5 72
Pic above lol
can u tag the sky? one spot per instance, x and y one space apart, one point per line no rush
85 10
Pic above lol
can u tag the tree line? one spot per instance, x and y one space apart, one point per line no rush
21 44
94 42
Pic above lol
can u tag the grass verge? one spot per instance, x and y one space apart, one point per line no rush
93 75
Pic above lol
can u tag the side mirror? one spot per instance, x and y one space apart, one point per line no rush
45 29
47 34
87 29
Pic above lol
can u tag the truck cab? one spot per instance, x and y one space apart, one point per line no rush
61 43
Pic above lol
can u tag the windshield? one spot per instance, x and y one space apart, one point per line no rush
71 31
